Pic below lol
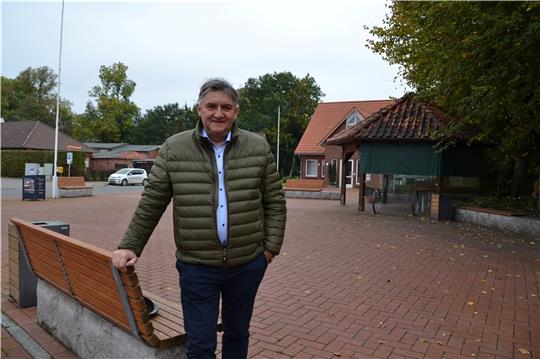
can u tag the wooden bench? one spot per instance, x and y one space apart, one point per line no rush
82 276
309 185
73 187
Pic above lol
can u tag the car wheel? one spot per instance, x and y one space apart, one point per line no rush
144 182
124 182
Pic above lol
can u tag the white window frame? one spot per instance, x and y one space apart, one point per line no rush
316 169
353 119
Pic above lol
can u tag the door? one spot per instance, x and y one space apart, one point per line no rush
349 172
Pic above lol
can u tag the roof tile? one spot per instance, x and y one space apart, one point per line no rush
327 117
409 118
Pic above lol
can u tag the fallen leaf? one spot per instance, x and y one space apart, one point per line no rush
470 303
524 351
338 354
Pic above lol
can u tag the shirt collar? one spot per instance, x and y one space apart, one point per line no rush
205 135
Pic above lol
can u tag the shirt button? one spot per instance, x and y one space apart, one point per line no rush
221 206
219 156
222 224
221 189
219 172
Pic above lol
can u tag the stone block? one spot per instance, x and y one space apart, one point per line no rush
89 335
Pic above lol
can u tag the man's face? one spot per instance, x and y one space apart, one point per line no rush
218 113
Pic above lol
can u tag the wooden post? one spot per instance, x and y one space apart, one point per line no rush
343 184
346 154
362 193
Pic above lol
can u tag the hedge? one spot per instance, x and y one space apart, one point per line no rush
13 161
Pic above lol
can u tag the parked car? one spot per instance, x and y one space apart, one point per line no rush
127 176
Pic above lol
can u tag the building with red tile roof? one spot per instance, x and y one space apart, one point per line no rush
320 161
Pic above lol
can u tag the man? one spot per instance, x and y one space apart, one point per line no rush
229 220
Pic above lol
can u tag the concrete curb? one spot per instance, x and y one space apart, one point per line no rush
525 225
327 195
24 339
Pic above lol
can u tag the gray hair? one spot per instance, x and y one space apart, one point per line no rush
218 84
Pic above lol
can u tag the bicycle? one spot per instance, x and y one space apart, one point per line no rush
376 201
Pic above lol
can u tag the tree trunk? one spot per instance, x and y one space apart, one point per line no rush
538 194
292 166
519 178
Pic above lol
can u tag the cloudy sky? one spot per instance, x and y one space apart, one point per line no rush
172 47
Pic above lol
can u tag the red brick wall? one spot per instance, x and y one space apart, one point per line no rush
108 164
303 159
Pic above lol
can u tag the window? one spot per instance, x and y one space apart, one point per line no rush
311 168
353 119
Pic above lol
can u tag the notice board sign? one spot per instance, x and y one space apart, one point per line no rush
33 187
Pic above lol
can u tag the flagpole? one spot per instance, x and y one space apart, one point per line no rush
278 121
55 177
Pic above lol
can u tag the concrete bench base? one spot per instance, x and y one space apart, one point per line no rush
76 192
87 334
313 195
525 225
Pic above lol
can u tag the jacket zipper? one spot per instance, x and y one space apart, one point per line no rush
211 153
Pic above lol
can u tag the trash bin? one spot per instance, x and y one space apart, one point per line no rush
27 281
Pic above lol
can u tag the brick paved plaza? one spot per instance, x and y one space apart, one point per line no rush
349 284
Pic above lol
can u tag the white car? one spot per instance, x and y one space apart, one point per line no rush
127 176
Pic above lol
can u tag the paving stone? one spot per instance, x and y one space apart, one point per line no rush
362 284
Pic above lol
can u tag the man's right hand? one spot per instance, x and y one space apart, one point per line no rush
123 258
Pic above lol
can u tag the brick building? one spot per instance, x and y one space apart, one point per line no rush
319 161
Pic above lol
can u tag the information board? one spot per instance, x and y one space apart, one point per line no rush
33 187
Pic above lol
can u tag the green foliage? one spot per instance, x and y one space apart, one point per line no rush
111 117
31 96
479 61
162 122
13 161
525 204
297 99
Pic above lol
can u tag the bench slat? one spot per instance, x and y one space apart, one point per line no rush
85 259
310 185
72 182
96 278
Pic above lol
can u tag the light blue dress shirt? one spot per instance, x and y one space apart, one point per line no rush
222 209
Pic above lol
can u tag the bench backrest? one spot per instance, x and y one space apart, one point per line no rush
85 273
305 183
71 182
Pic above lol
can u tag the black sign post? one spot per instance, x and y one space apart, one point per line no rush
33 187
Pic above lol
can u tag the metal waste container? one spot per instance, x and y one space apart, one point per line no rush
27 279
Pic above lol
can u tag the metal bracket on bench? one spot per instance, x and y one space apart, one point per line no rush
125 302
23 248
63 268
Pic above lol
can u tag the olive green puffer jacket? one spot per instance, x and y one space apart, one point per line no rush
185 170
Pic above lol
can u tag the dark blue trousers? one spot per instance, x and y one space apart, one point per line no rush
201 288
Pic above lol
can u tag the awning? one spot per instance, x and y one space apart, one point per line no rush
422 159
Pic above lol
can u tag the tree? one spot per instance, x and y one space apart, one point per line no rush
297 99
479 60
32 96
112 116
162 122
